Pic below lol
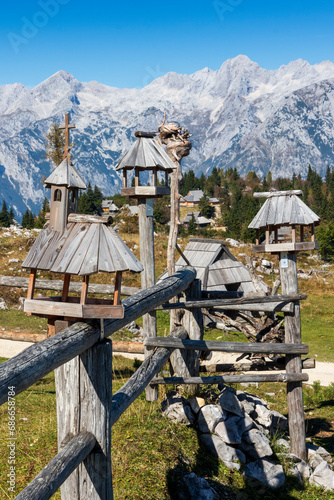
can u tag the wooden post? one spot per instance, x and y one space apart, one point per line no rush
186 363
146 235
125 179
67 279
289 280
136 177
117 293
31 285
84 398
84 289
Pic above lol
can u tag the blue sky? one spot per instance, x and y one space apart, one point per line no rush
129 43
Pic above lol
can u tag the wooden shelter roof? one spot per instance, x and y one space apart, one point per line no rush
216 267
82 248
283 208
146 153
65 175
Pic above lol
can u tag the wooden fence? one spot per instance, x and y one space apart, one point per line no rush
82 360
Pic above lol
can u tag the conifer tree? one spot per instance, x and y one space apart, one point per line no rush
55 143
192 228
11 216
4 215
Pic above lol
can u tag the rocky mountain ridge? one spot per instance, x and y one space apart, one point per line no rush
240 116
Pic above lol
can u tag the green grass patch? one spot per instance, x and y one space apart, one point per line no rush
16 320
151 454
318 326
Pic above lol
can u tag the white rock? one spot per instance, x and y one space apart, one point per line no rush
323 476
3 305
261 415
270 474
255 444
226 453
229 402
198 488
209 416
176 408
13 260
229 431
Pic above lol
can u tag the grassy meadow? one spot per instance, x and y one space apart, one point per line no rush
150 453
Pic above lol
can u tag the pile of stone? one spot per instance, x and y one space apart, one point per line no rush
237 428
136 330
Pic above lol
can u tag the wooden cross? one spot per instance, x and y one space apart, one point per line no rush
67 128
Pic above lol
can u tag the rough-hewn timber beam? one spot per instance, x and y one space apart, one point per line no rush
233 379
243 301
244 347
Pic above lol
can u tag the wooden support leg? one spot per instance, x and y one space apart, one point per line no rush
84 397
66 286
117 293
146 235
293 362
31 285
84 289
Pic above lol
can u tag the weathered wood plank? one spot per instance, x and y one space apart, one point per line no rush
285 247
142 377
289 283
72 310
270 307
19 282
244 347
102 219
233 379
95 392
272 194
237 301
38 360
252 366
43 486
146 234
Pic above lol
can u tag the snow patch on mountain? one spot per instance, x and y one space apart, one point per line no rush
241 116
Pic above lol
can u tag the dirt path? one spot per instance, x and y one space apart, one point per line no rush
323 371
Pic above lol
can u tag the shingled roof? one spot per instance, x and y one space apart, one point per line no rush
65 175
216 267
83 249
283 208
146 153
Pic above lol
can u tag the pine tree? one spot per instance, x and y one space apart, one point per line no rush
11 216
41 216
205 208
192 228
55 143
28 220
4 216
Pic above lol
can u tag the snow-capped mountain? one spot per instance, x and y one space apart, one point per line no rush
240 116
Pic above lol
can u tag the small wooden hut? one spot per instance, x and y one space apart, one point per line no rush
282 209
216 267
145 155
73 244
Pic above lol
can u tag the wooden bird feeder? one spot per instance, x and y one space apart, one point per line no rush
146 154
74 244
282 209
